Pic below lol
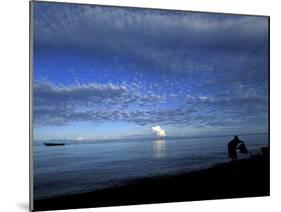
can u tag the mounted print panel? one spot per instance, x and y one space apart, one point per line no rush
137 106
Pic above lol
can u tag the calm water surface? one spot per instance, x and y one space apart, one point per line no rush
79 167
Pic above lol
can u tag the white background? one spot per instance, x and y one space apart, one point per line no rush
14 103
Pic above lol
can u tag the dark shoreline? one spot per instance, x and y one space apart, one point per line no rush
242 178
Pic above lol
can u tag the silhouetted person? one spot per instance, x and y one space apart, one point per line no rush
243 149
232 146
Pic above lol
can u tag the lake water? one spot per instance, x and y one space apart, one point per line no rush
79 167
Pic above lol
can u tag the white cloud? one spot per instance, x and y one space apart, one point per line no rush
158 131
62 104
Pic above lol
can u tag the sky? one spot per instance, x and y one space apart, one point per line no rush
109 72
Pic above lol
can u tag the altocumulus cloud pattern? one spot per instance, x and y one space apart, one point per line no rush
99 65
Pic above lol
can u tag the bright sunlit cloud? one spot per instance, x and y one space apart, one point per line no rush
157 130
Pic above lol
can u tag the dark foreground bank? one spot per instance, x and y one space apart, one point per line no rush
242 178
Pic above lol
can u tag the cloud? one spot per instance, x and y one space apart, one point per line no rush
158 131
212 67
97 103
155 40
91 94
207 52
60 104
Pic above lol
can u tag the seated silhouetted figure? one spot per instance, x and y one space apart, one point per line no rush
232 146
242 147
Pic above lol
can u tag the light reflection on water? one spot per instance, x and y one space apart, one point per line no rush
159 148
77 168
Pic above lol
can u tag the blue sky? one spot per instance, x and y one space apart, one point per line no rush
104 72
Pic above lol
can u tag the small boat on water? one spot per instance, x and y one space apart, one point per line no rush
54 144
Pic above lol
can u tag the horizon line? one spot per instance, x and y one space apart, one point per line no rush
149 136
